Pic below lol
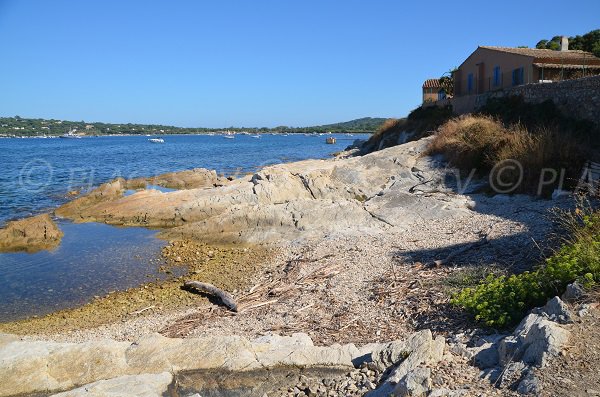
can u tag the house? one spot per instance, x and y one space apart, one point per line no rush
433 91
494 68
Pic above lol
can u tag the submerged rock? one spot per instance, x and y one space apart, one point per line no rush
30 234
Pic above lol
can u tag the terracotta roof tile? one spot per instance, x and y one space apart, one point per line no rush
432 83
538 54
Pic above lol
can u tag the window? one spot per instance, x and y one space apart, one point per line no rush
470 83
496 76
518 76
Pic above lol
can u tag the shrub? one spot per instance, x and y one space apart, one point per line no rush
480 142
539 116
504 300
420 122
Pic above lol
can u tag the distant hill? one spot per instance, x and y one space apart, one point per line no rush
18 126
367 124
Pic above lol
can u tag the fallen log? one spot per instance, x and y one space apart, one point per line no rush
210 289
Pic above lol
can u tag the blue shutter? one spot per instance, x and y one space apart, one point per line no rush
522 76
497 76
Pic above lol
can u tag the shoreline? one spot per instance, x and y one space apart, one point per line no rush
331 250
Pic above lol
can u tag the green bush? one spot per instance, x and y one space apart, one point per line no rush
503 301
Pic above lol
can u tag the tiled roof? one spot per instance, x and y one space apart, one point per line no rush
538 54
432 83
559 66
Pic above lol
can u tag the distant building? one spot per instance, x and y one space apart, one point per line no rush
494 68
433 91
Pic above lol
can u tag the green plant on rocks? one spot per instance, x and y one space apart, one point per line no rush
503 301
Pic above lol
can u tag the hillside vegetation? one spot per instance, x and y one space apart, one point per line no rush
589 42
18 126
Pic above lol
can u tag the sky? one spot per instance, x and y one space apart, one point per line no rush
251 63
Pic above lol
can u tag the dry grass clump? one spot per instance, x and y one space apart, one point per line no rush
481 142
420 122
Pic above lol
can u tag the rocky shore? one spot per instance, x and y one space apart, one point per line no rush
30 235
421 364
331 251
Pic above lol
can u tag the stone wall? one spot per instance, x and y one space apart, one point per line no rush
579 98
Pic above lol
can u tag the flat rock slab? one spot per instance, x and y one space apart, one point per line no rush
28 367
283 202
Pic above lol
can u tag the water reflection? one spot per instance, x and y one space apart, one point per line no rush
93 259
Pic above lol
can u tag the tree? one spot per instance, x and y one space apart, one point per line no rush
447 82
589 42
541 44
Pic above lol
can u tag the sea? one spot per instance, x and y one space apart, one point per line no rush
93 259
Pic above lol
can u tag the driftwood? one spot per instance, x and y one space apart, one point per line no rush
210 289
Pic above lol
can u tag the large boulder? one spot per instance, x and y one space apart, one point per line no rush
30 234
407 359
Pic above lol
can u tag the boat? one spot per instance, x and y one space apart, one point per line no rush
330 140
255 136
70 135
229 136
156 140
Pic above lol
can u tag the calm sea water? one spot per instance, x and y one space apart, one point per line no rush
37 173
94 259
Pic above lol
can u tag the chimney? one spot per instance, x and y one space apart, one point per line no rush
564 43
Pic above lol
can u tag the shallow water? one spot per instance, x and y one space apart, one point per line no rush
93 259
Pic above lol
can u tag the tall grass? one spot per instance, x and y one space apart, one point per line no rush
420 122
481 142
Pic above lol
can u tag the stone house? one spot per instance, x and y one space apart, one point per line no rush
495 68
433 91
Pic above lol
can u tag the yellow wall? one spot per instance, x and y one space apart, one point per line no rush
490 58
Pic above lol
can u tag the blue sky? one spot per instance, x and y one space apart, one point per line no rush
250 63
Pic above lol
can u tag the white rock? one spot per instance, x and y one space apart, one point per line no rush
416 383
556 310
145 385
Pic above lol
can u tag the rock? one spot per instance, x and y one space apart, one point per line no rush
544 340
147 385
281 202
296 339
395 352
438 346
487 356
461 349
416 383
418 349
510 373
30 234
29 367
584 309
573 292
529 384
556 310
508 349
